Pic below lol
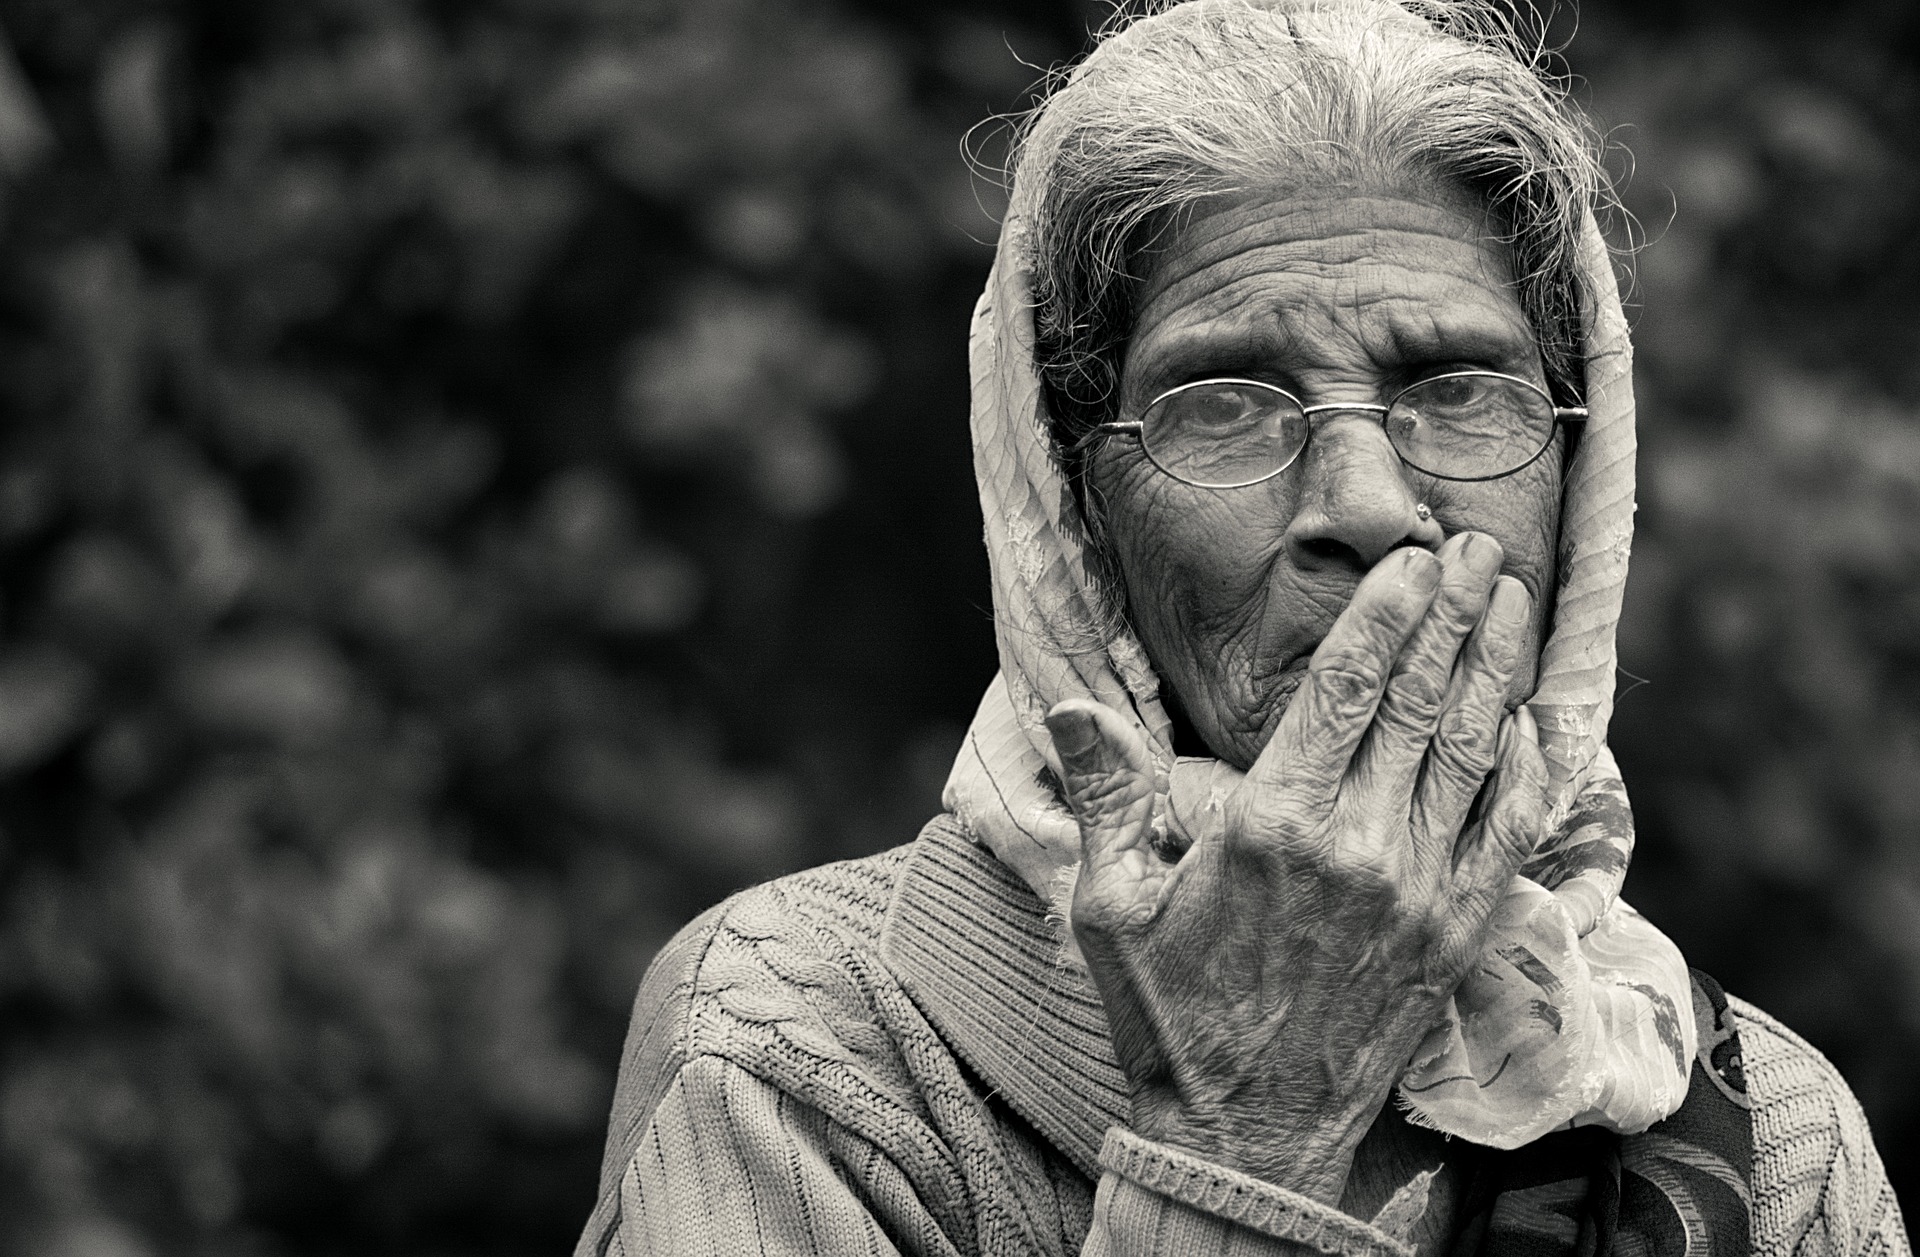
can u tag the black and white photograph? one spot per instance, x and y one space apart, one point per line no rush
959 628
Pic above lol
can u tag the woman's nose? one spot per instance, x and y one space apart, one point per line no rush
1354 506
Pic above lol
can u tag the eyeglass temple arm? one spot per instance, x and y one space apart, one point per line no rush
1571 414
1104 429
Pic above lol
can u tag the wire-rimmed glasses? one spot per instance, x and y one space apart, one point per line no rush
1231 433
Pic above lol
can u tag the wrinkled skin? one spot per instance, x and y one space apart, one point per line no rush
1336 299
1266 989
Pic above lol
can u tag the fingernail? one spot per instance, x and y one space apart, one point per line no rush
1422 568
1073 732
1482 555
1523 716
1510 603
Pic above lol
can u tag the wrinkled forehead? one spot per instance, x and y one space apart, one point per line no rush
1400 279
1317 221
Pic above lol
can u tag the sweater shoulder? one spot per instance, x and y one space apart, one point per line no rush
1815 1167
1800 1100
840 906
748 961
781 978
766 947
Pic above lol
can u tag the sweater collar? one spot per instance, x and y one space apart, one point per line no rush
976 951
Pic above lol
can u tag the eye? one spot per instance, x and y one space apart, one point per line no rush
1454 392
1215 409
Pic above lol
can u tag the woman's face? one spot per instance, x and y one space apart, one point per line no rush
1340 297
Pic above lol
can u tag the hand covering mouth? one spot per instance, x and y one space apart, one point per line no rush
1619 982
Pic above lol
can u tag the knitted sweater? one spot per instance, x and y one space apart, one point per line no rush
886 1056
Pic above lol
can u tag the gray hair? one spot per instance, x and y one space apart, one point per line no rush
1218 96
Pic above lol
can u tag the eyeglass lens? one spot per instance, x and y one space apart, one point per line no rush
1463 426
1220 433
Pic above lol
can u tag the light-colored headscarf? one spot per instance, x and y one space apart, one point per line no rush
1580 1011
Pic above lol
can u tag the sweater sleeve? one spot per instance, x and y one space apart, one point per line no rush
729 1164
1154 1200
1819 1188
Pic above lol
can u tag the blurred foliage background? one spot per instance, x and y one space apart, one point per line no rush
482 480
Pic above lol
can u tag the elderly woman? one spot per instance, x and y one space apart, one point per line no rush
1275 907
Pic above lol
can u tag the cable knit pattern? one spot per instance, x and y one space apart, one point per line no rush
1818 1185
788 1088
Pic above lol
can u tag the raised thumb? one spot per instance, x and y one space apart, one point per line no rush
1108 777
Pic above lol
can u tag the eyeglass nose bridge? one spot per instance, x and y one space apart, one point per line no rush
1372 408
1311 413
1378 410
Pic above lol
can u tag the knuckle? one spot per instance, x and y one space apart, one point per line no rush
1414 698
1466 739
1512 826
1458 609
1495 653
1349 678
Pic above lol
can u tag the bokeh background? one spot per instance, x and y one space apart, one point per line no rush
479 481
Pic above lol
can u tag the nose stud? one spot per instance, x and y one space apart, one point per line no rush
1423 511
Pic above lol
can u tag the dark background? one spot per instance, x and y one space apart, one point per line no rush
482 480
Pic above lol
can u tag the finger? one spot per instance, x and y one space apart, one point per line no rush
1336 701
1107 774
1491 851
1467 735
1416 692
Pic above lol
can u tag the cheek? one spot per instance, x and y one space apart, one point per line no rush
1194 564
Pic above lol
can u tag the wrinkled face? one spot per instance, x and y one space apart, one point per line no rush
1347 296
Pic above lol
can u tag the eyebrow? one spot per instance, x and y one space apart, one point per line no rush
1395 333
1458 332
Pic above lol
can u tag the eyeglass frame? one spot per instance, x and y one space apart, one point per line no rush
1137 427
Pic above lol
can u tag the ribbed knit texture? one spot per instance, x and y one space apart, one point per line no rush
1241 1200
884 1056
